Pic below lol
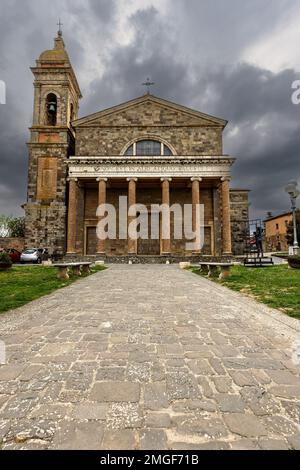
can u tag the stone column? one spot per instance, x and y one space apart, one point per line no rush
166 243
101 200
226 234
195 206
72 216
132 243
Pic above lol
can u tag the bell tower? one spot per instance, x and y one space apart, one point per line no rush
52 140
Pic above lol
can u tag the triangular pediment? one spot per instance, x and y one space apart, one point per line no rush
148 110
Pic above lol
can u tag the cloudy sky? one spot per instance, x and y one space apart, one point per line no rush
230 58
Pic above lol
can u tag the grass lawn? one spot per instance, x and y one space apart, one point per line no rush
22 284
276 286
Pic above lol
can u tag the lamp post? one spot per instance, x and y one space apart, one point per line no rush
294 192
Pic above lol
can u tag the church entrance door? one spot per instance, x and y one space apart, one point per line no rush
148 246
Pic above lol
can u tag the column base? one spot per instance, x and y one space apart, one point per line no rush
227 253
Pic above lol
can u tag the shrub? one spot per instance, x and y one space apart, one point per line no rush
294 261
5 259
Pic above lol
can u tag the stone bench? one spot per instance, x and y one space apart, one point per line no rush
77 268
211 268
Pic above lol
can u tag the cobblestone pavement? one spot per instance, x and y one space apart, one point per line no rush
148 357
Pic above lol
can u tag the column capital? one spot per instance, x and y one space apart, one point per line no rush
72 179
132 179
165 179
225 178
197 178
101 179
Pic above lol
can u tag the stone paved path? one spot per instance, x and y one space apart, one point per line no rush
148 357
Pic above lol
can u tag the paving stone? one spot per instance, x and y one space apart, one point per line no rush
243 378
197 425
294 441
79 436
158 420
284 377
200 367
280 425
229 403
51 411
110 373
115 391
91 411
273 444
286 391
260 401
119 440
155 396
153 439
11 371
30 372
56 349
244 444
292 409
223 384
245 425
215 445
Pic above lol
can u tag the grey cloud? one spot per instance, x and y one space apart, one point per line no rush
192 53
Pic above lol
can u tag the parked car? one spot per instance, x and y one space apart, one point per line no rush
34 255
14 254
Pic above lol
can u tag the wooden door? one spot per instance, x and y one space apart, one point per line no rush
91 241
149 246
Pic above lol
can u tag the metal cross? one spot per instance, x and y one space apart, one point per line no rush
148 84
59 24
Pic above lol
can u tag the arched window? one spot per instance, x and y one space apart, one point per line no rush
51 109
148 147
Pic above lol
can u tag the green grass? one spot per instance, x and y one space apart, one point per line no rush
276 286
22 284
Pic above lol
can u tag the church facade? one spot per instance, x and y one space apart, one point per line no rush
148 149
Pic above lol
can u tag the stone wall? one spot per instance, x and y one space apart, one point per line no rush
239 219
16 243
111 135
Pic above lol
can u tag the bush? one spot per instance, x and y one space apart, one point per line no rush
5 260
294 261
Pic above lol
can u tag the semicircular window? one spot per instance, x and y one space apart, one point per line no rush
148 147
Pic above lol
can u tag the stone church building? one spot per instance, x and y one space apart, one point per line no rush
151 150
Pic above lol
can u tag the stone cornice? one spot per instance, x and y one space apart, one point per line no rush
144 160
149 167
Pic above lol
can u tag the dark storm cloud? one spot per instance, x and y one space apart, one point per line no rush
196 56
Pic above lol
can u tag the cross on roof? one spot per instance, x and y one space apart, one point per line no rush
148 84
59 24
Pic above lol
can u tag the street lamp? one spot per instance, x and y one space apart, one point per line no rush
293 192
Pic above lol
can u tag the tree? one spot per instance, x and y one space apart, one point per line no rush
290 230
13 227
